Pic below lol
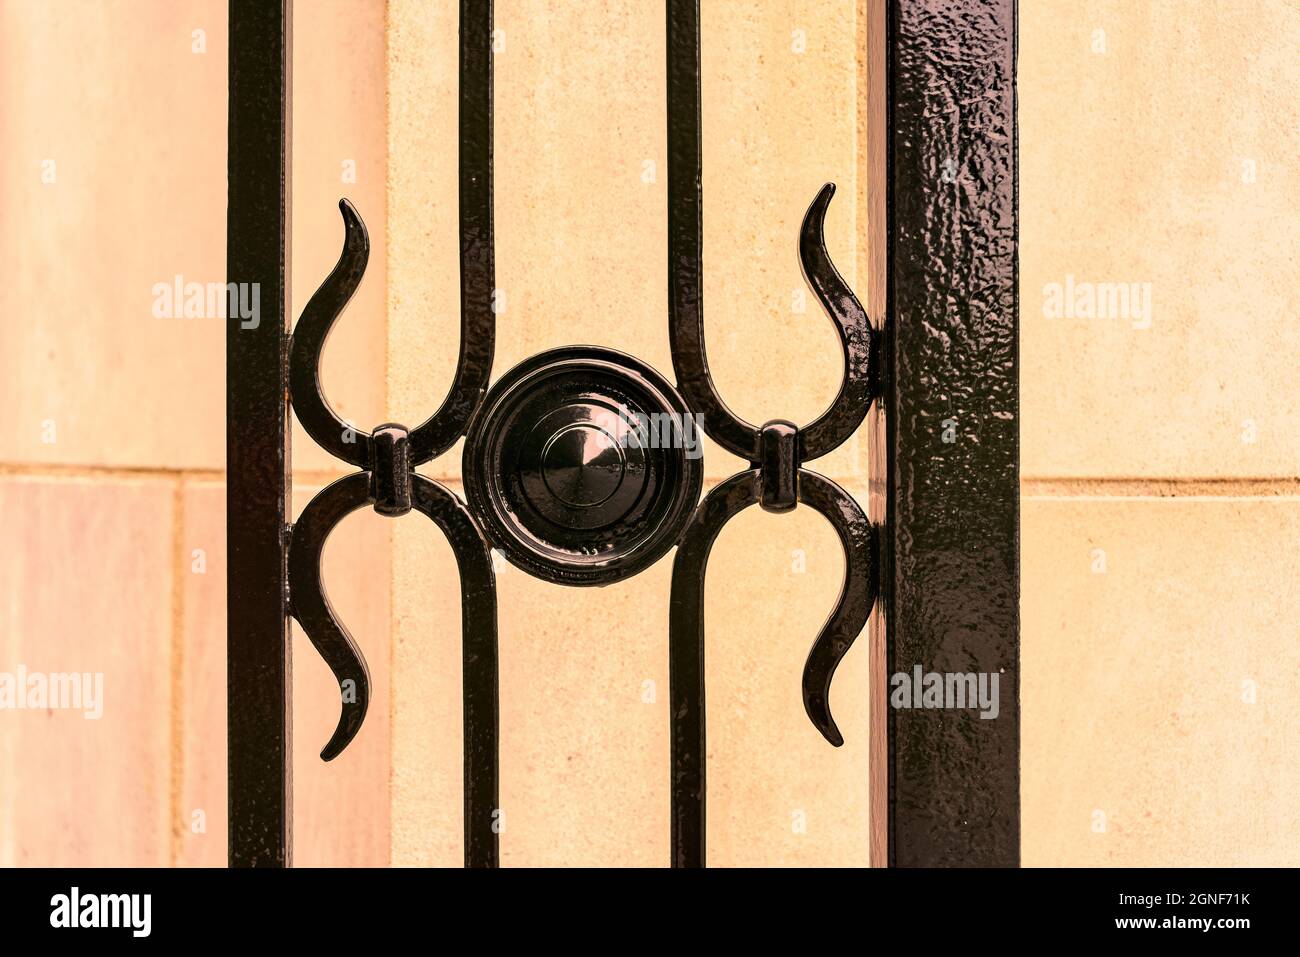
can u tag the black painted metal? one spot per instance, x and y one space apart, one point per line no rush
479 694
686 662
257 444
779 458
312 608
388 458
951 589
311 406
859 341
776 452
583 466
391 470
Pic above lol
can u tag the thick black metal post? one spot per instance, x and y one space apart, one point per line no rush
257 444
951 569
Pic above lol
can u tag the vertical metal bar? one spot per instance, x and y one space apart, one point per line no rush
952 543
685 303
257 442
477 278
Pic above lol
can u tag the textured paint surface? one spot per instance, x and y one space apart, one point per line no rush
953 600
585 254
258 675
1132 164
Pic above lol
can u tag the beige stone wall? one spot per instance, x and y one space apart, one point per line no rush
1161 471
1160 458
112 450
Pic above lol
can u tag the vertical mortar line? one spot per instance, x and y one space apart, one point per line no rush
872 138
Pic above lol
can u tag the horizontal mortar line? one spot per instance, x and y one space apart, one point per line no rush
55 470
849 482
1160 487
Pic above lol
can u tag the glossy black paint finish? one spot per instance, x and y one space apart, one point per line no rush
858 339
582 466
479 687
477 251
310 333
779 465
776 452
444 428
859 539
391 470
951 593
686 236
306 595
257 251
312 608
686 662
331 639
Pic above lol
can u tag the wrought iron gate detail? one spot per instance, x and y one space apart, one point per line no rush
776 479
557 474
388 457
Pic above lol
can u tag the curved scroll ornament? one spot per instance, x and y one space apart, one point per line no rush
312 607
562 469
857 595
777 451
778 482
686 661
389 483
388 456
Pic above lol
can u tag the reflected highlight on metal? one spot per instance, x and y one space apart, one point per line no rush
857 595
858 340
686 661
312 608
583 466
478 615
310 334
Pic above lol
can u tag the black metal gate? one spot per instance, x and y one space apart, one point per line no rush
578 464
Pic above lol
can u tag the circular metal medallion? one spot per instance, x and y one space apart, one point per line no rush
583 465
